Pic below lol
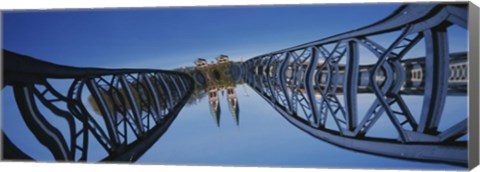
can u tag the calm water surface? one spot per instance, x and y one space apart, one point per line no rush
263 138
260 136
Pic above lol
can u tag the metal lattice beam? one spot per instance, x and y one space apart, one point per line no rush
314 75
134 107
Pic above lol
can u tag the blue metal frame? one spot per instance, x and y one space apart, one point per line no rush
136 106
389 78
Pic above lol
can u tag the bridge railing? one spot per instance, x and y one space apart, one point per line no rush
320 80
118 113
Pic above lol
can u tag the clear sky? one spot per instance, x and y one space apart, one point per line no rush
170 37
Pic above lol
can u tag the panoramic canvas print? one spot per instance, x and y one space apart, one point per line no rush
379 85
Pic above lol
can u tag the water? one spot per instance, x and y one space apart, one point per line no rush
261 138
257 136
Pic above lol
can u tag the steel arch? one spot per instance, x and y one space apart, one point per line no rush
324 75
135 107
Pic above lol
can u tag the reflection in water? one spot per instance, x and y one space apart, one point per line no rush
320 87
212 79
320 107
219 78
135 108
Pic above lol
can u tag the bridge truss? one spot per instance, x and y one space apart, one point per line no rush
321 80
132 108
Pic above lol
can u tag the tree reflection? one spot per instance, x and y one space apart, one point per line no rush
211 79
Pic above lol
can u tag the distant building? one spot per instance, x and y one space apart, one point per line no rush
201 63
233 103
214 105
216 87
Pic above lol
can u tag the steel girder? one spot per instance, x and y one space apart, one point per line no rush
304 83
135 107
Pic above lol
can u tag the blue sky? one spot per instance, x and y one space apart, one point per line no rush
167 37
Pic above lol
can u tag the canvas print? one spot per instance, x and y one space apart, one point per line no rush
378 85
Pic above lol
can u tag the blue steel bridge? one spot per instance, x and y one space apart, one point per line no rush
315 86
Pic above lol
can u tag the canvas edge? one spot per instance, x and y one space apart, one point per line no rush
473 86
1 83
473 122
